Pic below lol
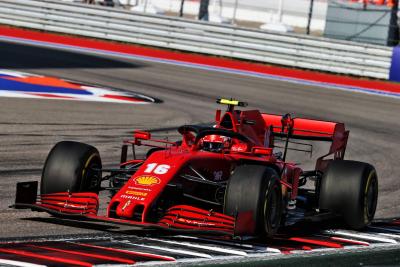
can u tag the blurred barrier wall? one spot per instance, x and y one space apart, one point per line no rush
294 12
216 39
354 22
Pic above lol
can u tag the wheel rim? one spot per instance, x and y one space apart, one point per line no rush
90 176
93 177
271 209
370 197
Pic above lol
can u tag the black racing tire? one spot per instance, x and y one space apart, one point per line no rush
350 189
69 167
257 189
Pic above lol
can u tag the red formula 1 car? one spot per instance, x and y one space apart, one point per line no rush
230 179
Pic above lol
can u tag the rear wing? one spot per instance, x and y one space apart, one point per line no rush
309 129
306 129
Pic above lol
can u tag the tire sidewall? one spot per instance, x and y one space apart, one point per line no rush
68 168
250 189
88 178
367 211
344 189
272 193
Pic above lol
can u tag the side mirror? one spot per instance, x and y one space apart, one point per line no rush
141 135
287 123
262 151
217 116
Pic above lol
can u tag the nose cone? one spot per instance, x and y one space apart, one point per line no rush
131 209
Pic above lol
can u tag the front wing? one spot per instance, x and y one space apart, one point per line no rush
84 206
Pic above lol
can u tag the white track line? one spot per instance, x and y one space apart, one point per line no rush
211 248
385 229
390 235
233 243
20 263
364 236
178 251
230 243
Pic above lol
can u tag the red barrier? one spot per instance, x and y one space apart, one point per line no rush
389 3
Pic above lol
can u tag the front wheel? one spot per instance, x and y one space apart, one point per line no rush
71 166
350 189
255 189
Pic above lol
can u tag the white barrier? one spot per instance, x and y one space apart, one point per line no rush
294 12
195 36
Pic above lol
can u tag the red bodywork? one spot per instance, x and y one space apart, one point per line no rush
136 202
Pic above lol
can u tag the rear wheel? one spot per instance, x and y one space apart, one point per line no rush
255 189
71 166
350 189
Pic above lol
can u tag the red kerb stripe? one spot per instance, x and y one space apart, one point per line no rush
350 241
50 95
90 255
129 252
49 258
125 98
316 242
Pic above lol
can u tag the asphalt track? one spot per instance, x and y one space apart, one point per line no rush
29 128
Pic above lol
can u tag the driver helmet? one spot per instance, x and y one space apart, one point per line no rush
216 143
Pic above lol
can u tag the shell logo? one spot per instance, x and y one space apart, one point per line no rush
147 180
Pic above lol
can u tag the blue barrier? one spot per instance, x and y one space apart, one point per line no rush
395 68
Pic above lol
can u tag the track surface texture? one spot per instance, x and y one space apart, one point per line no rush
318 249
29 128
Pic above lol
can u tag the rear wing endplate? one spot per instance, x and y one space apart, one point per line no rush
316 130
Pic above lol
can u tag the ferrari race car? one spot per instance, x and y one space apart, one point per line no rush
231 179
